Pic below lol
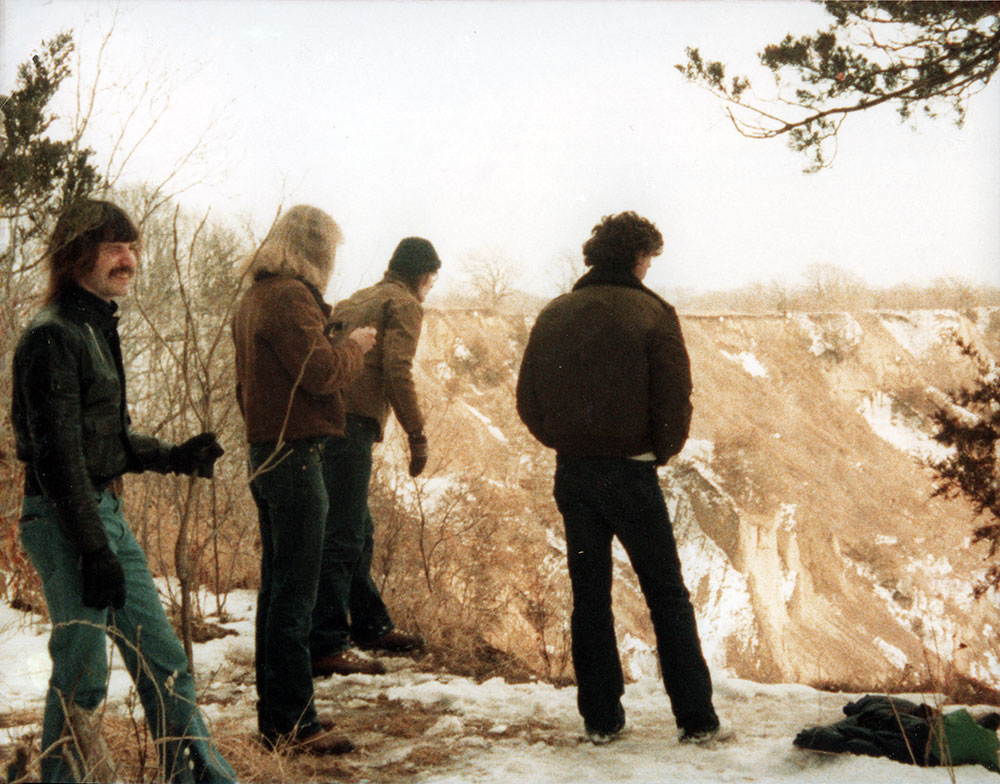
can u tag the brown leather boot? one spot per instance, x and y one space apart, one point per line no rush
394 642
322 743
346 663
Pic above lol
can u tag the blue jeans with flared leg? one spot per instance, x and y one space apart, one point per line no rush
600 499
291 507
144 637
348 604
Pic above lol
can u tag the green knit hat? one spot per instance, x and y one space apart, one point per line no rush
413 257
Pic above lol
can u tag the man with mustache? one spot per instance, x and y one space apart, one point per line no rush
74 436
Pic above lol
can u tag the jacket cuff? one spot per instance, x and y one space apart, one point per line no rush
149 454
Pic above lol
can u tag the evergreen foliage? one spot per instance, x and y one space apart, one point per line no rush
916 56
970 423
39 174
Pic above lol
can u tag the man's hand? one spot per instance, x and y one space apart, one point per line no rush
418 453
196 456
103 579
364 337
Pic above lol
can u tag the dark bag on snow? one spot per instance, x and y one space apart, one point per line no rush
903 731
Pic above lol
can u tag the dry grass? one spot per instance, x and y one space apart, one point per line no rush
956 689
392 739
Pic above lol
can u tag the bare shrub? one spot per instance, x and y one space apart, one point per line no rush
462 553
180 368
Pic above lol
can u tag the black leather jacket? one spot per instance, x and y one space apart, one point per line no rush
70 419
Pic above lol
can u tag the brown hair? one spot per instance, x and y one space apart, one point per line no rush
77 237
619 240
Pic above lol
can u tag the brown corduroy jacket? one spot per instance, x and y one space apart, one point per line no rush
386 381
289 373
606 374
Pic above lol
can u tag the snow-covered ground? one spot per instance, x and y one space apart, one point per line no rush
503 733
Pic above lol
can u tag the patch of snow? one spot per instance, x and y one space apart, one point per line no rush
27 666
446 725
983 318
789 577
555 541
697 449
917 331
829 334
494 431
698 454
748 362
929 611
724 609
900 430
939 566
639 660
432 490
988 671
789 580
895 656
964 415
786 516
461 351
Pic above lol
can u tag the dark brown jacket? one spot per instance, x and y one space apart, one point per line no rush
289 374
386 381
606 373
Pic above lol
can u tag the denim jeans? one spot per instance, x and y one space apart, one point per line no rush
144 637
600 499
291 508
348 605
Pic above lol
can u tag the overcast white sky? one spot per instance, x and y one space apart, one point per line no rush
511 128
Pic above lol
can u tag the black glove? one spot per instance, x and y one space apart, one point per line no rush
103 579
196 455
418 453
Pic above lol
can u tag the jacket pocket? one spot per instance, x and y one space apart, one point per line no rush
103 447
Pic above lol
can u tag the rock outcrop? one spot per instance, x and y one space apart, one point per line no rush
802 503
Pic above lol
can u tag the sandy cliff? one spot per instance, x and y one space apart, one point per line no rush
809 537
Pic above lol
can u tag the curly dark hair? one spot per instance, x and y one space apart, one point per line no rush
77 237
619 240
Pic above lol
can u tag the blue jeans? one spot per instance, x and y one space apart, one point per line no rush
348 605
291 506
149 648
600 499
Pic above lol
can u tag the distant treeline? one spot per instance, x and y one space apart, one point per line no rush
825 287
834 289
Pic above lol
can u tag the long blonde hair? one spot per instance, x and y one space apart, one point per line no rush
302 242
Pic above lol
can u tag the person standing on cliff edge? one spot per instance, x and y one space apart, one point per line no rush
349 606
605 381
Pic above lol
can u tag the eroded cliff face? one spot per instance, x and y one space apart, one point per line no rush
810 540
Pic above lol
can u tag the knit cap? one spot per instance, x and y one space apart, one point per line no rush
413 257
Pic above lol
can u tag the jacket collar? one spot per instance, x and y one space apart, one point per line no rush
316 293
605 276
392 277
79 304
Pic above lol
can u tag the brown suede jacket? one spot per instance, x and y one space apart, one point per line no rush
289 373
606 373
386 381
